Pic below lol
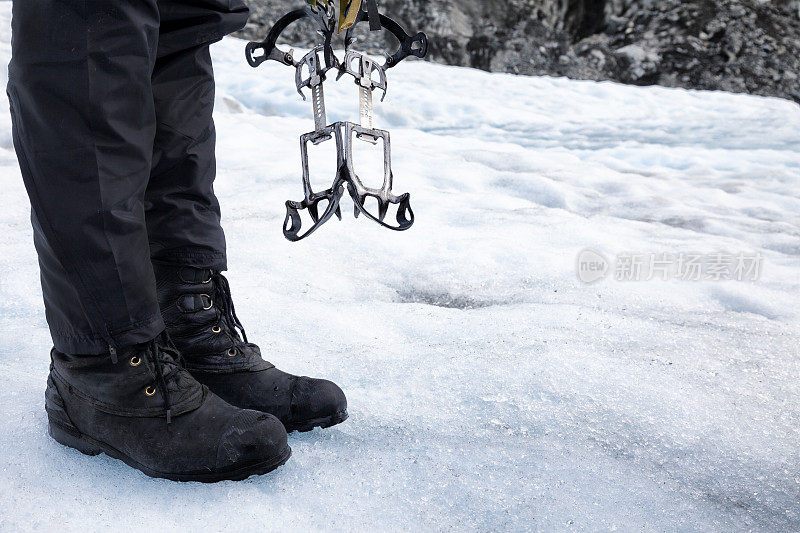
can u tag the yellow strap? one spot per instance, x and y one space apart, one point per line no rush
348 11
316 3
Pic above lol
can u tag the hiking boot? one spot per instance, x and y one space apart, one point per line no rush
198 310
140 406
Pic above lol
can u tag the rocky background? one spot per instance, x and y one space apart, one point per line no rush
748 46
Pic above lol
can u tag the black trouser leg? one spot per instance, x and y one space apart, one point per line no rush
183 214
85 126
84 123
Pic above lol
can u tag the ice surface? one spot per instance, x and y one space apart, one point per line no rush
489 389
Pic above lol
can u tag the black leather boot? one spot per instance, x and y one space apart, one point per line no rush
198 310
140 406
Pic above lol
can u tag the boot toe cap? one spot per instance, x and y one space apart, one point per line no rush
318 402
252 438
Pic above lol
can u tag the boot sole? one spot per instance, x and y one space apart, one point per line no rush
74 439
323 423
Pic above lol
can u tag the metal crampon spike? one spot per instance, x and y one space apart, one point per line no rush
384 195
345 133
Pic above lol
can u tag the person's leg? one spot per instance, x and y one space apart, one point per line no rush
83 125
186 240
183 214
84 122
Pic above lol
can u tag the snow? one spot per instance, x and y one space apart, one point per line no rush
489 388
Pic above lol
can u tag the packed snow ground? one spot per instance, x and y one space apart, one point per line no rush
489 388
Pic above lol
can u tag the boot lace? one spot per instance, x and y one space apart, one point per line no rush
167 366
233 327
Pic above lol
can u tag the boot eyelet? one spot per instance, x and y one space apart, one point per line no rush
210 302
150 391
206 282
232 352
216 329
136 361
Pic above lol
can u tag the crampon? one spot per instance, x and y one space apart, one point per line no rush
311 71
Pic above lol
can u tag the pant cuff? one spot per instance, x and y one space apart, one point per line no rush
195 259
75 343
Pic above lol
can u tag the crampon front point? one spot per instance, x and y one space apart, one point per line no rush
317 207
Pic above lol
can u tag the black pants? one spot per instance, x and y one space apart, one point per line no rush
111 102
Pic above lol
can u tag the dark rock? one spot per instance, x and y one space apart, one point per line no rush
734 45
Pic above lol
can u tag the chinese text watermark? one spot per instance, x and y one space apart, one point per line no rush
593 266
